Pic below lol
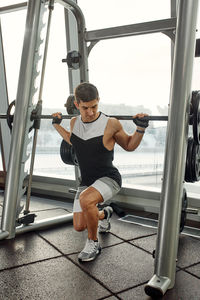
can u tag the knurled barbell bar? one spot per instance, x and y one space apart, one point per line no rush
119 117
194 117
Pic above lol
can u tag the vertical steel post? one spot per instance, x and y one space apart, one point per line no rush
75 29
72 44
175 152
28 196
5 132
82 44
20 120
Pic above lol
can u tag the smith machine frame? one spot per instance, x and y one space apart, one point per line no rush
181 28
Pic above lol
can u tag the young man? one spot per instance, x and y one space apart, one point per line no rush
93 136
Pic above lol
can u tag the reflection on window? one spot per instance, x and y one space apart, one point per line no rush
144 166
47 160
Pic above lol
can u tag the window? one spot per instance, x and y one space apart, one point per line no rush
133 75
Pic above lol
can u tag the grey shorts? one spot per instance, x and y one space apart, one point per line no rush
106 186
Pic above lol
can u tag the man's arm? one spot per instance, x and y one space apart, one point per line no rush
129 142
57 118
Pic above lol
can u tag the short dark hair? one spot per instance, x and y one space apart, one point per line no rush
86 92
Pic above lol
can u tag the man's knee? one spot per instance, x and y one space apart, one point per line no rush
85 202
89 199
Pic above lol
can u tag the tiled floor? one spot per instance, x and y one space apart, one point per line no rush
43 264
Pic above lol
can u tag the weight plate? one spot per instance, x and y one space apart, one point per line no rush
67 153
73 60
183 210
10 117
70 106
195 162
196 116
188 168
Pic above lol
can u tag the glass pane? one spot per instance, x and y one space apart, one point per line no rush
48 161
13 27
55 91
133 75
10 2
144 166
104 13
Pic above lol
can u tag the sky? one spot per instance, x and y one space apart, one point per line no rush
133 70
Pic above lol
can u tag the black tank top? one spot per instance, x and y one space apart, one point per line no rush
95 161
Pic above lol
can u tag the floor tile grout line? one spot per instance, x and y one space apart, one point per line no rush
49 243
108 297
133 287
192 274
138 247
92 276
76 252
131 240
192 265
30 263
68 258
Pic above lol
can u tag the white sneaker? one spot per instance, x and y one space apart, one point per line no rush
90 251
104 225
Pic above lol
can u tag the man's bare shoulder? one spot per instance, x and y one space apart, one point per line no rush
72 122
114 123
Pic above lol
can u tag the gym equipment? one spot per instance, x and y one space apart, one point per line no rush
119 117
36 123
188 170
10 117
184 210
196 115
73 60
67 153
70 107
195 159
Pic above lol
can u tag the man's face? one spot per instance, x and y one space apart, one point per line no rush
88 110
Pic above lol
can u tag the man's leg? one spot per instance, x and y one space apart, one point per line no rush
79 221
89 199
88 218
78 216
101 190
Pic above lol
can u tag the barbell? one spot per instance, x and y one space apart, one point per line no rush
194 117
35 116
119 117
